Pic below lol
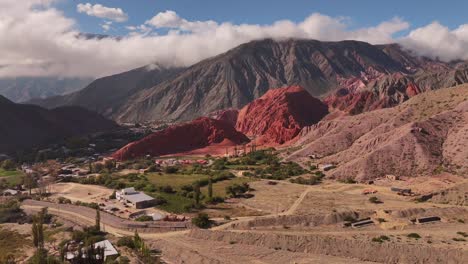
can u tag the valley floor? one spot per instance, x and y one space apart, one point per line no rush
304 224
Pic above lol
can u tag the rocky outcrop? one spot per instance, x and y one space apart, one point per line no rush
200 133
280 114
227 115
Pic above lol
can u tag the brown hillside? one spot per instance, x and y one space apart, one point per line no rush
426 134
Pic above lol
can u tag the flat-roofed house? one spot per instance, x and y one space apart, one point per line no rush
139 200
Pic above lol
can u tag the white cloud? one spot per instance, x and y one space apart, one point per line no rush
53 48
438 41
106 26
97 10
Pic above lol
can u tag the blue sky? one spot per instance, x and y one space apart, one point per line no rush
362 13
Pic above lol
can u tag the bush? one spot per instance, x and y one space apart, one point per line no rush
312 180
126 241
374 200
171 169
202 221
166 189
348 181
380 239
8 165
237 189
215 200
414 235
159 200
144 218
63 200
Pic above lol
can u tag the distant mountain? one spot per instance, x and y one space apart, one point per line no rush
342 72
108 95
23 89
27 126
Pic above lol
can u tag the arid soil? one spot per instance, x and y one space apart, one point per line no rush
310 229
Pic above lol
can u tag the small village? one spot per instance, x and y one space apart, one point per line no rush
172 194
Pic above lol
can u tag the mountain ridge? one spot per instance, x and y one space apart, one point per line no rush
240 75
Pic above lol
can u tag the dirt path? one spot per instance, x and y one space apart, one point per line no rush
298 202
291 210
110 224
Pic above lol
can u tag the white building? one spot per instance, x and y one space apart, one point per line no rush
138 199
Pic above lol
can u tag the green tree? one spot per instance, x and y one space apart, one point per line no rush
210 188
197 194
98 220
201 220
8 165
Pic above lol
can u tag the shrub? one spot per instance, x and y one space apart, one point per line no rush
171 169
126 241
414 235
380 239
215 200
8 165
237 189
144 218
166 189
374 200
347 180
202 221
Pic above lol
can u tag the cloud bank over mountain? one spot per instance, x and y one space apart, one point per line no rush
39 40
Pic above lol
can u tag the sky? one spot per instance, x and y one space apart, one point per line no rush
42 37
363 13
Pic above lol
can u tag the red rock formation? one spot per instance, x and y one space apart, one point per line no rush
227 115
280 114
200 133
412 90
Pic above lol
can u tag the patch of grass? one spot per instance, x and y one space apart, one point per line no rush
11 243
50 233
219 188
13 177
175 180
175 203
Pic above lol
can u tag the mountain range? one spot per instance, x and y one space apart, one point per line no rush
26 126
350 76
24 89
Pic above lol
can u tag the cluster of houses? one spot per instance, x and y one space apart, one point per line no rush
72 252
72 171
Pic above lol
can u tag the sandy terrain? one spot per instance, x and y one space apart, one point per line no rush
94 194
80 192
273 198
